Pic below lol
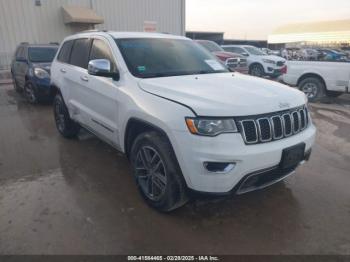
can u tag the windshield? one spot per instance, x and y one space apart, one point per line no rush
253 50
158 57
42 54
211 46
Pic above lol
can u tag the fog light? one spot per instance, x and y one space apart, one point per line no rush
219 167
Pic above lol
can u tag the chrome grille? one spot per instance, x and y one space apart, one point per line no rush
232 62
275 126
287 124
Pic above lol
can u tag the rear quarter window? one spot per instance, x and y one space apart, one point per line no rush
65 51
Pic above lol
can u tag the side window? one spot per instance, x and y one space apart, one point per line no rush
65 51
101 50
238 50
80 53
20 53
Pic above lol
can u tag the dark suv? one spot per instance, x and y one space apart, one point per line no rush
30 70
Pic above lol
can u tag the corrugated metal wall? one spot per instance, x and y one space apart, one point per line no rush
23 21
129 15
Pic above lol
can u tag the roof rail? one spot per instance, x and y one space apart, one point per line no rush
92 30
54 43
24 43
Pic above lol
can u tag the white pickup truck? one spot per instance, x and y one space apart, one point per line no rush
318 79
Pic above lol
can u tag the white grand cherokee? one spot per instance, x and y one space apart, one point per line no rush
185 122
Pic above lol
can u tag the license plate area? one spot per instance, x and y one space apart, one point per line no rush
292 156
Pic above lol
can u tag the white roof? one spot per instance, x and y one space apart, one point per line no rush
119 35
143 35
237 46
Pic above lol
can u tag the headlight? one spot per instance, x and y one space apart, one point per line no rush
41 73
268 61
211 126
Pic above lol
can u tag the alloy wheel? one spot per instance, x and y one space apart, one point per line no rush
310 89
29 93
256 71
151 173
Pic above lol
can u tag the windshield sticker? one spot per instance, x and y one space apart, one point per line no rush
141 69
215 65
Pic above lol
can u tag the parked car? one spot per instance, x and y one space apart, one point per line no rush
268 51
318 79
309 54
259 63
232 60
183 120
332 55
30 70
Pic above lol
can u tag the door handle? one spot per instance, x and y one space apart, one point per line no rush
63 70
84 78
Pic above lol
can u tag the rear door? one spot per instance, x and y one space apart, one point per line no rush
20 66
61 70
77 80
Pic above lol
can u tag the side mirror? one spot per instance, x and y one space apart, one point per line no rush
245 54
102 67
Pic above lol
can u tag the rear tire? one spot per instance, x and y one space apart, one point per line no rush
65 125
313 88
157 173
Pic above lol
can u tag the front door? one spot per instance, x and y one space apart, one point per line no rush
101 96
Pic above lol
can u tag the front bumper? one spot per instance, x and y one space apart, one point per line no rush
43 89
192 151
274 72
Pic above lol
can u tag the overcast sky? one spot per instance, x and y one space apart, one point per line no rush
255 19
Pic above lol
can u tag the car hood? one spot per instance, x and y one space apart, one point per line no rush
225 54
273 57
225 94
45 66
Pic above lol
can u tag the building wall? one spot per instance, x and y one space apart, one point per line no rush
23 21
129 15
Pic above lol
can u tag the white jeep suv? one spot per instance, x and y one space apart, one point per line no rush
184 121
260 64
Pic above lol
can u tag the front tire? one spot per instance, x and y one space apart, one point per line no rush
257 70
30 93
15 85
157 173
65 125
313 88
